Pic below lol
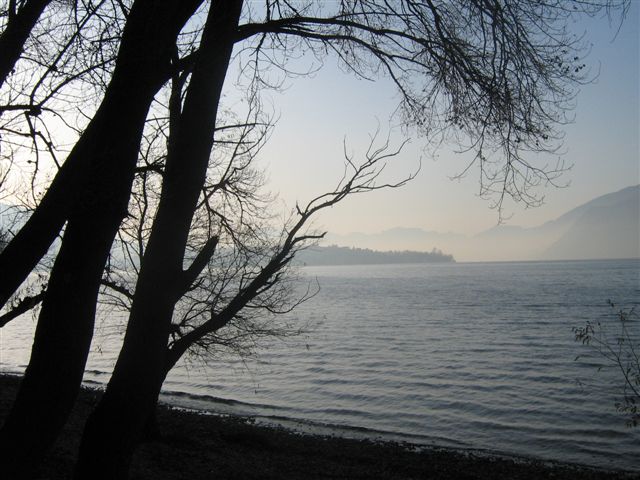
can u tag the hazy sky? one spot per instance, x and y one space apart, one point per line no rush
304 155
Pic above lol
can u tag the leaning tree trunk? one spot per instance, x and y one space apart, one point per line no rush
32 241
65 326
12 40
15 34
114 428
24 251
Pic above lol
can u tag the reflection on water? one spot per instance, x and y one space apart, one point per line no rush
468 355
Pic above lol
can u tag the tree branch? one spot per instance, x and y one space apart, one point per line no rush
23 306
204 256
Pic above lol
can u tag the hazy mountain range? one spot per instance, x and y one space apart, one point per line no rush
605 227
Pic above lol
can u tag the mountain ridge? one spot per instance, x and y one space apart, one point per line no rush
607 226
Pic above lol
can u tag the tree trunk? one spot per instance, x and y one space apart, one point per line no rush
65 326
61 345
19 26
114 428
12 42
151 430
15 34
33 240
139 73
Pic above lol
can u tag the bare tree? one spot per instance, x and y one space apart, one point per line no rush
46 103
89 192
497 77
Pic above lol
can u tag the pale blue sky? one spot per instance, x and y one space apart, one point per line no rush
304 155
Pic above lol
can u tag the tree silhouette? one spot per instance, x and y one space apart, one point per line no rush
495 76
620 351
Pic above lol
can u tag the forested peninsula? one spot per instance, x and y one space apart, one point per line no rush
335 255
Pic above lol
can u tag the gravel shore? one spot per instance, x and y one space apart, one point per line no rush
195 446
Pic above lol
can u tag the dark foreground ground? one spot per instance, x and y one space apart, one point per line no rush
196 446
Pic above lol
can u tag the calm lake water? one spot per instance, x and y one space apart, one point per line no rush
474 356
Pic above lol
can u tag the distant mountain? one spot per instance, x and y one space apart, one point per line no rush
334 255
625 198
605 227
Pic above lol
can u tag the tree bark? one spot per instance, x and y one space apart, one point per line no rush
65 326
114 428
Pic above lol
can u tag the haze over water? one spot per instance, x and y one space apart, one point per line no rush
477 356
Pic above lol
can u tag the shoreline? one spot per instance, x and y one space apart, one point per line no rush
202 445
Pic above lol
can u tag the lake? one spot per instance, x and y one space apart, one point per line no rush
476 356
